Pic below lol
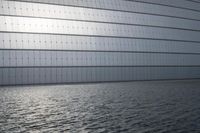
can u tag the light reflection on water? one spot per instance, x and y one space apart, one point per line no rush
162 106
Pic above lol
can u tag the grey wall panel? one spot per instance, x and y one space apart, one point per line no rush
175 3
56 41
62 58
131 6
96 43
1 76
18 76
77 13
6 75
96 29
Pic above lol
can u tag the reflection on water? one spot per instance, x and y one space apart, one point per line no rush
162 106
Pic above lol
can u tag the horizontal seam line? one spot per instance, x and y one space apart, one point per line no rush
153 14
102 51
160 4
193 1
98 66
103 22
92 82
100 36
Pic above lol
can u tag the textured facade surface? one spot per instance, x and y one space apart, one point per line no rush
70 41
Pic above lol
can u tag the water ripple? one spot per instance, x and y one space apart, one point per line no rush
144 107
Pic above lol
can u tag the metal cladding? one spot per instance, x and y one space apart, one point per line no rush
73 41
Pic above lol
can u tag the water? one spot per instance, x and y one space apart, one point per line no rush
134 107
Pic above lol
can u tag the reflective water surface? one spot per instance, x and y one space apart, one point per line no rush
143 107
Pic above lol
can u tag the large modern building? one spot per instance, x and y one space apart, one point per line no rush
75 41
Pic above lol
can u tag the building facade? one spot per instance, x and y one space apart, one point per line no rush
75 41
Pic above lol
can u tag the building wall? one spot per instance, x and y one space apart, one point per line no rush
70 41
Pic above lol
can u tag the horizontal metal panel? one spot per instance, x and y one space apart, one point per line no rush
65 58
62 42
13 76
85 14
130 6
98 40
35 25
187 5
